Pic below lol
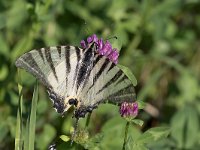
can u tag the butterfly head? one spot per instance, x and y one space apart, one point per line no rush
73 101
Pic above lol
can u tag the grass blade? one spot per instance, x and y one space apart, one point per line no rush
19 126
32 120
26 135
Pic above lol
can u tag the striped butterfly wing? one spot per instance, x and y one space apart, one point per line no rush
105 81
70 72
55 67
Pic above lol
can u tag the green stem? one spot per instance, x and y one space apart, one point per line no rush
88 120
126 134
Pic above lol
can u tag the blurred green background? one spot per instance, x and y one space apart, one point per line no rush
160 43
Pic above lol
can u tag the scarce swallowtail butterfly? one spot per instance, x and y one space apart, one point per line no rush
80 77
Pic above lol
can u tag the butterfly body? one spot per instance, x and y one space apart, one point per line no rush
77 77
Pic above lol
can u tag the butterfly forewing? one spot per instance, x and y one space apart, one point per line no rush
55 67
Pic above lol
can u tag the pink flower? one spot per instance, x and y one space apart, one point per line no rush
100 44
95 38
128 109
89 39
104 49
92 38
83 44
113 56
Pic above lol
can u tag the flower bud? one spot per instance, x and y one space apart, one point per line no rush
129 110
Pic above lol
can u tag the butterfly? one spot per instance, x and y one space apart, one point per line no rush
78 77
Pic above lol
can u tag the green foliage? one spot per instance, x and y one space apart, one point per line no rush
185 132
65 138
25 139
19 125
129 74
151 135
32 120
159 43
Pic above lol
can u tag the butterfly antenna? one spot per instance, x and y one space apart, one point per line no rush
75 130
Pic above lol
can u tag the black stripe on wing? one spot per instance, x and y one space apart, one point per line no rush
67 59
112 81
112 66
101 70
124 77
96 60
50 62
78 55
77 64
85 66
67 64
41 54
126 93
59 50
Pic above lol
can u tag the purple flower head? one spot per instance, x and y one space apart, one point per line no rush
92 38
95 38
100 44
113 56
129 109
104 49
83 44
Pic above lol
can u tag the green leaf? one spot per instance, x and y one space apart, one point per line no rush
153 134
192 127
185 126
113 129
178 126
132 145
94 142
65 138
138 122
191 81
129 74
139 147
141 104
113 133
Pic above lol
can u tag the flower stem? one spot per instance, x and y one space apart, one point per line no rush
126 135
88 120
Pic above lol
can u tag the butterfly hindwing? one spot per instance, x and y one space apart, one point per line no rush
105 81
